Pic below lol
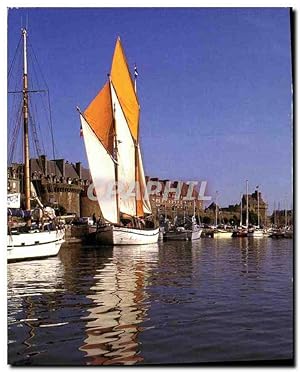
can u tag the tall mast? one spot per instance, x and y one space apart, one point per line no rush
285 213
216 210
116 163
241 220
25 128
247 205
257 207
137 181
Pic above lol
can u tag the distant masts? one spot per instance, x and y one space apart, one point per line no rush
241 219
247 205
285 213
257 187
216 211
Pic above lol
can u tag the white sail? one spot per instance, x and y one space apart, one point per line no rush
102 169
126 159
143 186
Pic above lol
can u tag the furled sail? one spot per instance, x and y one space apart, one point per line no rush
123 85
125 159
102 169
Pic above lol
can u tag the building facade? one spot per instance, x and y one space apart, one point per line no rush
56 182
171 198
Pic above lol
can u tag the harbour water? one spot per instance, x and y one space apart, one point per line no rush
213 300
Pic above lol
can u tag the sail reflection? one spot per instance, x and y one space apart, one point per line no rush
119 306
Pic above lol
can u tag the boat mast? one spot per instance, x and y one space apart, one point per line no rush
116 163
257 207
241 220
25 127
216 210
247 205
285 213
137 183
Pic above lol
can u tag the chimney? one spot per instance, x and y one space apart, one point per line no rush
78 169
61 166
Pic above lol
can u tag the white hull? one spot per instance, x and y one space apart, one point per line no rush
34 244
222 234
115 235
196 234
256 234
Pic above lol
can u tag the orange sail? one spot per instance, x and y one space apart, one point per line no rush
122 82
99 115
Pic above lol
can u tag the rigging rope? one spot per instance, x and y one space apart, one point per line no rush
14 58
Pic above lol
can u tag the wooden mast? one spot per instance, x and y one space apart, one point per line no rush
115 154
257 206
241 220
137 184
247 205
25 127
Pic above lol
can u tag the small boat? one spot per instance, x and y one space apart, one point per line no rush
240 233
34 244
277 233
182 233
256 233
29 241
110 128
288 233
222 233
207 232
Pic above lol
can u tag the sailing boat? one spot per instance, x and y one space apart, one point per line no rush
257 232
240 231
110 128
220 231
31 243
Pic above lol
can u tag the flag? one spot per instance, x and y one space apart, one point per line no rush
136 74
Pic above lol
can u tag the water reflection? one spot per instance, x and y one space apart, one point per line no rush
29 279
178 302
32 286
119 304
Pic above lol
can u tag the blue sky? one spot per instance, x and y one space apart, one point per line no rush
214 87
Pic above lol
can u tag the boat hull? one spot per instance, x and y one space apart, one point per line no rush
288 234
256 234
32 245
222 234
239 234
183 235
115 235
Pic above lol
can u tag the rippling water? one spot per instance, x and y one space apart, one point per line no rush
179 302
